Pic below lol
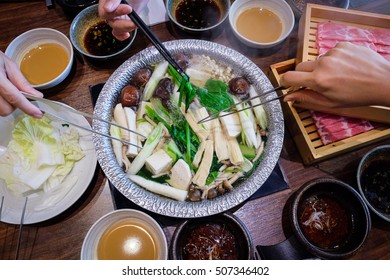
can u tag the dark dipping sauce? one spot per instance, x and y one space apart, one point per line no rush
375 181
324 221
99 40
197 14
210 241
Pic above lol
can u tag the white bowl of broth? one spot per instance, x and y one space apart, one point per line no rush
44 55
125 234
261 23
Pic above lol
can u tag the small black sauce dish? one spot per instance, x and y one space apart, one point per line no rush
329 218
197 16
221 236
73 7
373 178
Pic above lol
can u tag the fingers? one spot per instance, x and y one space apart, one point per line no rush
302 76
306 66
120 36
13 81
116 15
111 9
121 24
108 6
16 78
5 107
309 99
11 98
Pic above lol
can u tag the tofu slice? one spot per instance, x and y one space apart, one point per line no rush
159 162
180 175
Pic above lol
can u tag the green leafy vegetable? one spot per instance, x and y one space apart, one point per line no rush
158 73
215 97
186 89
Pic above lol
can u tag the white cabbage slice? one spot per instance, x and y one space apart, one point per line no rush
38 157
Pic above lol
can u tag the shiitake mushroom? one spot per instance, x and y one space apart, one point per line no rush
130 96
141 77
239 86
182 60
163 91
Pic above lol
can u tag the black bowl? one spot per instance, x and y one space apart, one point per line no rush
73 7
228 223
373 180
329 218
222 6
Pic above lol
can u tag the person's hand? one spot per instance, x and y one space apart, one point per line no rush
346 76
11 82
116 15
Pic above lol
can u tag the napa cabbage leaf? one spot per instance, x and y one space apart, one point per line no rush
38 157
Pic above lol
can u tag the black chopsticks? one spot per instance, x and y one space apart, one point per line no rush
155 41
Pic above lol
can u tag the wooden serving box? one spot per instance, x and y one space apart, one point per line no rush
298 120
306 50
304 132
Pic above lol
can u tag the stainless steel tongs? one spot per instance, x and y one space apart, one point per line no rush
218 114
54 104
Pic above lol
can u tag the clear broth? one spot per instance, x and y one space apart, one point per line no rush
43 63
127 241
260 25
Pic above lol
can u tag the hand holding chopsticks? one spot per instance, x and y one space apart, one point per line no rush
155 41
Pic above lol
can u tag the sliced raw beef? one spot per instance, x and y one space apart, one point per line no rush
330 33
382 36
383 49
326 44
341 32
333 128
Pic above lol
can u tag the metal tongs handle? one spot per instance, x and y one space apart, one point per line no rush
72 110
21 228
217 114
155 41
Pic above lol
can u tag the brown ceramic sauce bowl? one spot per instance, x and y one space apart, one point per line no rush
219 237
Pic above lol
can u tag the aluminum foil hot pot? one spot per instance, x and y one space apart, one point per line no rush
165 206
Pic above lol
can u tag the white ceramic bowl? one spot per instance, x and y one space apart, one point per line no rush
91 241
35 37
278 7
82 23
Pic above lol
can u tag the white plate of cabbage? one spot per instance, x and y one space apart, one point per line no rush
45 159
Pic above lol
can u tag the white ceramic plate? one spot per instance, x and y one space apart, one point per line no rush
41 206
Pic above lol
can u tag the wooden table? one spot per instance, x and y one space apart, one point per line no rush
62 236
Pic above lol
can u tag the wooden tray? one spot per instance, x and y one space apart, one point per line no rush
304 131
314 14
